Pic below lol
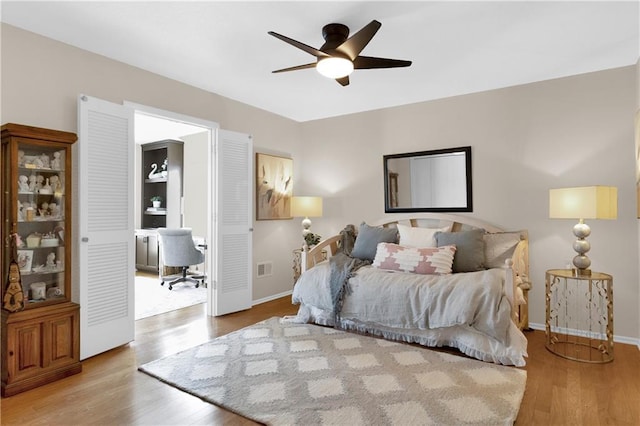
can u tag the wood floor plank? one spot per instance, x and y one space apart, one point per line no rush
111 391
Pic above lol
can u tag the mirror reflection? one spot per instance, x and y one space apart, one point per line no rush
428 181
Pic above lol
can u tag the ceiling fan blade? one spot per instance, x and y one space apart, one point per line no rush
297 67
368 62
354 44
310 50
343 80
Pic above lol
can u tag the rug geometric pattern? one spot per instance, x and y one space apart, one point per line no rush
280 373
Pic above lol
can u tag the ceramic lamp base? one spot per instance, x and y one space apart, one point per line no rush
306 225
581 230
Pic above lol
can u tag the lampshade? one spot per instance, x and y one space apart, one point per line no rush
306 206
334 67
587 202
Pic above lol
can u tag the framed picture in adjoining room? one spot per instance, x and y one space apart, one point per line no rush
274 187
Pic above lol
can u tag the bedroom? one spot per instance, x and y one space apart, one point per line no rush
525 139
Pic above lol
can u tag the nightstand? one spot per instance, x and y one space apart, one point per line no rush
579 317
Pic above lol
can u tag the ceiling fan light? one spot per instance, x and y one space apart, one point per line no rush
334 67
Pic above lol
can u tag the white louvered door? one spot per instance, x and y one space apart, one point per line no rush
105 238
232 218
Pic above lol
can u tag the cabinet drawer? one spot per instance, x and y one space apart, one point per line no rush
61 346
24 350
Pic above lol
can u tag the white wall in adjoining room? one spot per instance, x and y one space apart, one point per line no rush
525 140
194 178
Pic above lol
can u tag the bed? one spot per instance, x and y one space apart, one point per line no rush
446 280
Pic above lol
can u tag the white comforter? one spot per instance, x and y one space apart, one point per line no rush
468 311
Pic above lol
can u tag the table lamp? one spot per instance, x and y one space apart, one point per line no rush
306 207
588 202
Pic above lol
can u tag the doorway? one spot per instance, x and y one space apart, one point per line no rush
150 297
106 228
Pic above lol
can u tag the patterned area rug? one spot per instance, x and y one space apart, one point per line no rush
154 299
280 373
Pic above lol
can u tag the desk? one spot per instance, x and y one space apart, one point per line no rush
579 317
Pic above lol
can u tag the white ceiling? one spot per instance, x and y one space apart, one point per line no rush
456 47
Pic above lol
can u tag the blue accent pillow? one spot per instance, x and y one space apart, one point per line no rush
469 255
368 239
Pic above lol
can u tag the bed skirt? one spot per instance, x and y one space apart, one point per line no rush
464 338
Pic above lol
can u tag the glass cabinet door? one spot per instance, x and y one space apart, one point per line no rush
39 179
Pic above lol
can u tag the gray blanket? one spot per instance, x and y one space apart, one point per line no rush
343 267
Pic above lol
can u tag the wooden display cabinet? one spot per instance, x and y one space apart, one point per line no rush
41 341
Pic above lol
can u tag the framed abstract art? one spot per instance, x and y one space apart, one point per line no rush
274 187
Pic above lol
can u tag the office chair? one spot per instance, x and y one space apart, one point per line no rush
178 250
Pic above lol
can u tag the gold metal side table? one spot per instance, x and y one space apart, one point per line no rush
579 318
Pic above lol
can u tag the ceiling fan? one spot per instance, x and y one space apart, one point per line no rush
340 54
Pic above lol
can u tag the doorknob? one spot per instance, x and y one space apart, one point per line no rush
85 239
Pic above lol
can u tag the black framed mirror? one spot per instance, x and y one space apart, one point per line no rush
428 181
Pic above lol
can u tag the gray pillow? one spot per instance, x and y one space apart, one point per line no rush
498 247
469 249
368 239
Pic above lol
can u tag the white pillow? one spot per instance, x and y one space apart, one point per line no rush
411 236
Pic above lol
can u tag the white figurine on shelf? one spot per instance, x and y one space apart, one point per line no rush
165 164
46 188
54 210
44 158
44 211
39 180
20 158
154 173
56 163
32 182
23 183
20 212
51 261
56 186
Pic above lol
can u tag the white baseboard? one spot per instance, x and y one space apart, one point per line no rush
270 298
616 338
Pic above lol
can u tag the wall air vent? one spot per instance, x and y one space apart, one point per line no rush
265 269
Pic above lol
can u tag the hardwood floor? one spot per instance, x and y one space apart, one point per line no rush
110 390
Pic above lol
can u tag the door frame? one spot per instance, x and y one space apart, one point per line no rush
212 127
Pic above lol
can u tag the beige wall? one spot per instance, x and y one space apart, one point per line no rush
41 79
638 177
525 140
